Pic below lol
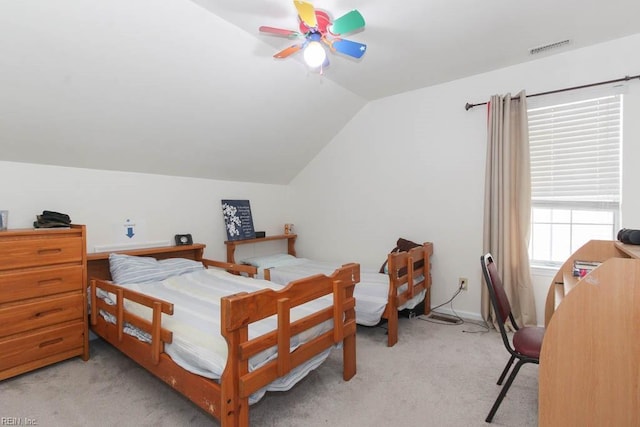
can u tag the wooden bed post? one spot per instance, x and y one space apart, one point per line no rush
234 409
291 245
343 292
344 316
428 251
392 327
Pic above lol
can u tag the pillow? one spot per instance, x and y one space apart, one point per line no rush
127 269
269 261
402 245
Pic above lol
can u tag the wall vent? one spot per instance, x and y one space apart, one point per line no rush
540 49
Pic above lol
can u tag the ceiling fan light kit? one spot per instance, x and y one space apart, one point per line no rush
318 30
314 54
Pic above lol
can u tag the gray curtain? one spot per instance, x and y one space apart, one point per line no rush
507 204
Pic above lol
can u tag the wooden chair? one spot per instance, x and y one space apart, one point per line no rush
527 340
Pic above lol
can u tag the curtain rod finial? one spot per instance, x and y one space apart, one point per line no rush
468 106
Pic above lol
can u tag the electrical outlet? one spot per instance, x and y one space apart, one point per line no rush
462 283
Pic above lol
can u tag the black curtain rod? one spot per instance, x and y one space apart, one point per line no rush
624 79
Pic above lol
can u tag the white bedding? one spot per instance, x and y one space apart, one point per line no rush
198 345
371 293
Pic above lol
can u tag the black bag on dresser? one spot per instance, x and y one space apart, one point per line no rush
627 235
52 219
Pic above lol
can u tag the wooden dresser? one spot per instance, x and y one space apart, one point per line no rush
43 310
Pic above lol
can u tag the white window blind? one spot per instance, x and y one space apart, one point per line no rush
575 151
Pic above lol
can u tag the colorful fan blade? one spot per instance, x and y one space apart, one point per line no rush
347 23
307 13
350 48
279 31
288 51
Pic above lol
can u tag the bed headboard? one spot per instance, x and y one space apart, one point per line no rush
98 262
231 244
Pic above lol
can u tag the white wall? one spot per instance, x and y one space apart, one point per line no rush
161 206
412 166
408 166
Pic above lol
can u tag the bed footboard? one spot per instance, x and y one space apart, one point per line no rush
240 310
413 270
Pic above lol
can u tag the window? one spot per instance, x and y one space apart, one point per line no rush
575 176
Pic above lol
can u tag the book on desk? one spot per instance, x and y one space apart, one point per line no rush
582 268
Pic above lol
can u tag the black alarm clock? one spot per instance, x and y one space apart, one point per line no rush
184 239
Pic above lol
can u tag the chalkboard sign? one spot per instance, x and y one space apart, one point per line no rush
238 220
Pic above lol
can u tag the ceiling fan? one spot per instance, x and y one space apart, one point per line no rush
317 28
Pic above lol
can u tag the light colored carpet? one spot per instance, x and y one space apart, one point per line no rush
437 375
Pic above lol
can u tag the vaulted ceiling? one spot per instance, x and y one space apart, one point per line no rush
190 87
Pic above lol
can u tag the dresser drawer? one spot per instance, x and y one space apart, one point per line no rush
15 286
40 345
39 252
34 315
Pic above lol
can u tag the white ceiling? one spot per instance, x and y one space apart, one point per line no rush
190 88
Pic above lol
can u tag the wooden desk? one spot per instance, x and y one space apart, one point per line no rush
232 244
590 358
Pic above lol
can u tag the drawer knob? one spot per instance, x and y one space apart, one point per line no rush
49 251
50 342
50 281
45 313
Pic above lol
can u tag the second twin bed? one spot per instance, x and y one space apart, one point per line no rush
405 284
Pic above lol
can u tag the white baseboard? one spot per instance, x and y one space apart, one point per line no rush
464 314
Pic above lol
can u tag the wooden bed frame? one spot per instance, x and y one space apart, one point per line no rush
227 399
402 269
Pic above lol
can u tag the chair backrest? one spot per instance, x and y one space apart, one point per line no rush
496 290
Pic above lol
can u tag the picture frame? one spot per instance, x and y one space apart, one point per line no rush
238 219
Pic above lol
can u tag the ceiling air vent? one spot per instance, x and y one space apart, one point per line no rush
540 49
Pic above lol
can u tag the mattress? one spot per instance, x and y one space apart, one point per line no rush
197 344
371 293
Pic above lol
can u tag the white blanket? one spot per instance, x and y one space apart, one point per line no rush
371 293
198 345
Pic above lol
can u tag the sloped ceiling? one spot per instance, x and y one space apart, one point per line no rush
190 88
